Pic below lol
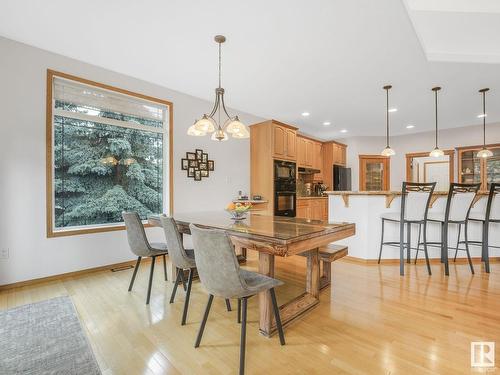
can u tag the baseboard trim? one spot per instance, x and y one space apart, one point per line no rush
68 275
351 259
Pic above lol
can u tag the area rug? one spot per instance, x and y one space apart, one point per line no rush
45 338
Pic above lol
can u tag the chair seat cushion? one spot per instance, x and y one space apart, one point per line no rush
257 282
393 216
159 247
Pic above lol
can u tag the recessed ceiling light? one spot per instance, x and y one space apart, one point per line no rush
305 114
326 123
410 126
392 110
482 115
343 131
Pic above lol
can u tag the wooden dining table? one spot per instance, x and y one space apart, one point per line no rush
273 236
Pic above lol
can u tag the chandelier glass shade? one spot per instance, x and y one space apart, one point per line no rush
208 123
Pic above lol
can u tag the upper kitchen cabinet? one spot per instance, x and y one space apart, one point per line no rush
474 169
284 140
334 153
308 153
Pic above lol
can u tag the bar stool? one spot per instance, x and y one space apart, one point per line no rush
141 247
491 215
415 199
182 259
458 204
222 276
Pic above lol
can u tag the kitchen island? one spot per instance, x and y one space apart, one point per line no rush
365 207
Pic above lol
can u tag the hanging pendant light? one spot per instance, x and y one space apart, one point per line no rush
207 123
437 152
484 153
387 151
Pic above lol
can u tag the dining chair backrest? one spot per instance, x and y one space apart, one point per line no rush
175 246
415 199
216 262
136 235
460 200
493 205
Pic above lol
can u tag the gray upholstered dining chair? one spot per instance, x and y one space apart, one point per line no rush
182 259
221 276
141 247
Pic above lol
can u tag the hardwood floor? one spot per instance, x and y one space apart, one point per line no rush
371 322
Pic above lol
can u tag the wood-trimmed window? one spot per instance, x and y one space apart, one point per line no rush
108 150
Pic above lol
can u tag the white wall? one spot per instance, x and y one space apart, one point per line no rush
419 142
22 166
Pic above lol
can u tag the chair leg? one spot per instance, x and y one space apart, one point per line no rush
277 316
239 310
485 246
444 248
408 239
467 247
228 305
204 321
418 241
188 294
458 242
425 250
381 241
165 267
401 249
153 261
176 283
136 268
243 335
183 280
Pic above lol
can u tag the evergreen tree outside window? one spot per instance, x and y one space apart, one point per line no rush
108 154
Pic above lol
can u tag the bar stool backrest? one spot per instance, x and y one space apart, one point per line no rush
415 199
460 200
493 205
136 235
216 262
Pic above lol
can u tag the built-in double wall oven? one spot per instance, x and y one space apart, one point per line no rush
285 186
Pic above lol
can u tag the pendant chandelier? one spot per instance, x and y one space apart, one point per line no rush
484 153
207 124
437 152
387 151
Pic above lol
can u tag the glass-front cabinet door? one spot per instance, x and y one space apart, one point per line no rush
472 169
493 167
374 173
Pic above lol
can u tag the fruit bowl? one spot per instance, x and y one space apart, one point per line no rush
238 211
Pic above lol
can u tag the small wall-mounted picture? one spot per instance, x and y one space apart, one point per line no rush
204 173
190 155
197 175
204 157
203 166
199 154
193 163
197 164
190 172
184 164
211 165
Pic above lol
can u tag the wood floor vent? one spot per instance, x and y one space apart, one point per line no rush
123 268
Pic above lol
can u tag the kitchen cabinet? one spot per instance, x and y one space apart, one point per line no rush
334 153
284 141
473 169
318 160
312 208
306 153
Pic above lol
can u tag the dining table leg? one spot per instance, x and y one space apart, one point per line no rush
294 308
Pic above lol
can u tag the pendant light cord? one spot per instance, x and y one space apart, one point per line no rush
436 105
387 116
220 63
484 119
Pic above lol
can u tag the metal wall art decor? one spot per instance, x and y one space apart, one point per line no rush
197 164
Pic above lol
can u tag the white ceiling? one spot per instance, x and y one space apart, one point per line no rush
283 57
